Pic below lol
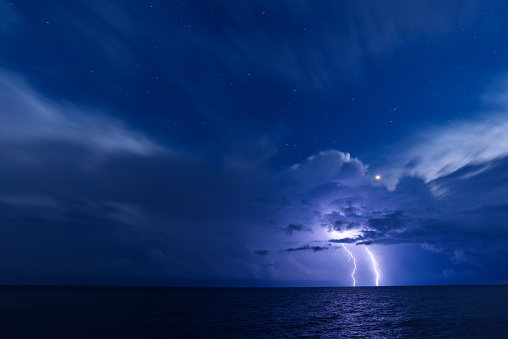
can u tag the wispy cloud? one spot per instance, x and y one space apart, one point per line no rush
441 151
28 116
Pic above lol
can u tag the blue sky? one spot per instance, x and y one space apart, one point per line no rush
237 143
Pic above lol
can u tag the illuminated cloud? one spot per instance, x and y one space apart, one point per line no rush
325 167
27 116
440 151
466 143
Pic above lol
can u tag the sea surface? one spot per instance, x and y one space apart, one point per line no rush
337 312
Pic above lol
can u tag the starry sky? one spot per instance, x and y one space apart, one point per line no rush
237 143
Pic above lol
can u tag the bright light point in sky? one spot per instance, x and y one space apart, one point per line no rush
378 177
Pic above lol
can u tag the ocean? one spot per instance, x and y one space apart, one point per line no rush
335 312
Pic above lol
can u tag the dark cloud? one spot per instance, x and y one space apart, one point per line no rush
343 241
262 252
350 210
389 222
342 225
308 248
151 213
289 229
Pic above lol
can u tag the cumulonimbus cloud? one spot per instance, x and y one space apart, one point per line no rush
431 198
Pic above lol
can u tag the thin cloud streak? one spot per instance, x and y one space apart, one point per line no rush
441 151
28 116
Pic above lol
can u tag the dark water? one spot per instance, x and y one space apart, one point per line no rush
362 312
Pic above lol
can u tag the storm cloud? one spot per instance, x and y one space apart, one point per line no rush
308 248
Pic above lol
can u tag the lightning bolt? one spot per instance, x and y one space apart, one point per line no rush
351 256
374 263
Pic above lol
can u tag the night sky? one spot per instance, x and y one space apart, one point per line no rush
237 143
